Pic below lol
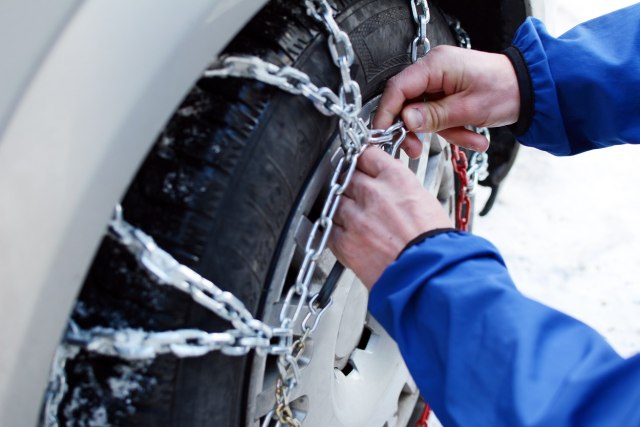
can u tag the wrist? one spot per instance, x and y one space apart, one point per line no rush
525 89
423 236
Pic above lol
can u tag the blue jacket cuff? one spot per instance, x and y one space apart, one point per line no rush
547 131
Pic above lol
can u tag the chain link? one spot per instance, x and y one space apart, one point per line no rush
390 139
462 37
421 44
463 199
341 51
421 15
166 270
286 78
137 344
478 168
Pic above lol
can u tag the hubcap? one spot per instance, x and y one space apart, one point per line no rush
352 373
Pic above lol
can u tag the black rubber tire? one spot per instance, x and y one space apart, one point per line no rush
216 191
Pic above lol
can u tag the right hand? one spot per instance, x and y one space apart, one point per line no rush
461 86
383 208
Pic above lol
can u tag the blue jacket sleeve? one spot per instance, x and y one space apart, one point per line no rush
586 83
483 354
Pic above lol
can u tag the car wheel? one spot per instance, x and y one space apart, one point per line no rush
230 189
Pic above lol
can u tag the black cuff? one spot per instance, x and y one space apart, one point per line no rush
424 236
526 90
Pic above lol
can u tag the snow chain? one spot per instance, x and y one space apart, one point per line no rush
468 172
249 333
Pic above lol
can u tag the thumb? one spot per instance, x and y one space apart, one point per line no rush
433 116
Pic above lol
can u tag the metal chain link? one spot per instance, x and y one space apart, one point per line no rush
342 53
286 78
138 344
166 270
135 344
478 168
463 199
288 367
421 15
462 37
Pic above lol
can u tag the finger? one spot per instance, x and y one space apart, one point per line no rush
409 84
337 243
373 161
425 76
412 146
350 192
360 187
465 138
348 211
435 115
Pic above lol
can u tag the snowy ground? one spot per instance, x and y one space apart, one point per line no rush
567 227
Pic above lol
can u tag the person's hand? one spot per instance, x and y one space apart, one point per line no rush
383 209
461 87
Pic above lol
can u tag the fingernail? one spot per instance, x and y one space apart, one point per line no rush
413 119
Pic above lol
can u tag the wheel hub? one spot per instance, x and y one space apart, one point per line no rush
352 373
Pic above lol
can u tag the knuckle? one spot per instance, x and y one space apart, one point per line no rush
369 194
355 186
437 51
394 82
436 116
397 83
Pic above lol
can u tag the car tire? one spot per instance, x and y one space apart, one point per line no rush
219 191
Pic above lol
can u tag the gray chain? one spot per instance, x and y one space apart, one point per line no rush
462 37
288 79
478 168
342 53
166 270
421 15
137 344
354 136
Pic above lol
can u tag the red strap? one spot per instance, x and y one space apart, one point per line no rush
463 201
424 418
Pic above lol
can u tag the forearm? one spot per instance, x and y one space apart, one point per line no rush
482 353
585 84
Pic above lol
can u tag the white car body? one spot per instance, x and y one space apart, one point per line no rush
85 89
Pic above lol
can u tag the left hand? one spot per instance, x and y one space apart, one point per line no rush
383 209
463 87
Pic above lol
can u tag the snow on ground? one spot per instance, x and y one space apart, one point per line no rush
568 227
568 231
